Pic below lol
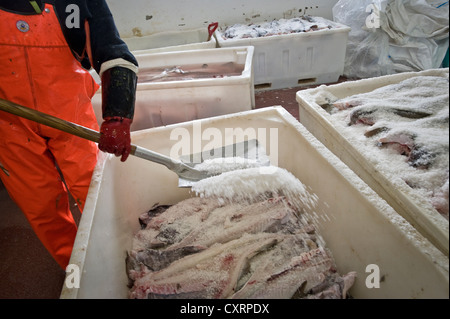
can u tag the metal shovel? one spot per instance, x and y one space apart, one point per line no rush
186 171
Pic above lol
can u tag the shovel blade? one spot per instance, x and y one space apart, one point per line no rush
249 150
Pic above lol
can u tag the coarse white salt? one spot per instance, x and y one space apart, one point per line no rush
255 184
412 113
277 27
220 165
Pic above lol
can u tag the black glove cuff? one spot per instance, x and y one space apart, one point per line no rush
118 92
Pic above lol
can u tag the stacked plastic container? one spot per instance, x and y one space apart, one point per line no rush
295 59
168 101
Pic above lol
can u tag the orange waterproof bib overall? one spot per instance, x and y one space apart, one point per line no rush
38 70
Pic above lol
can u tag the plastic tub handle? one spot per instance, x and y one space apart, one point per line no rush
211 28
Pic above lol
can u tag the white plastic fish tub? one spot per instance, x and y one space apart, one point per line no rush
358 226
169 102
170 41
418 211
295 60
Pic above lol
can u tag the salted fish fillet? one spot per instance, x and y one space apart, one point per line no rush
275 259
195 206
230 222
333 287
266 249
303 269
211 273
158 248
174 223
158 259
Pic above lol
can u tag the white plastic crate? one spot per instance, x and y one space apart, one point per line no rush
413 207
162 103
296 59
169 41
359 227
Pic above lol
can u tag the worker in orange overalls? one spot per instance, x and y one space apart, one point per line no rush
46 48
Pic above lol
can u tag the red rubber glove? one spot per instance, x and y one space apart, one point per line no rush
115 136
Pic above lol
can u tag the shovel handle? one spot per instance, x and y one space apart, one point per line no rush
52 121
49 120
78 130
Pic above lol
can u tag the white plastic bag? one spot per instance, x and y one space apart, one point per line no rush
416 18
368 46
391 36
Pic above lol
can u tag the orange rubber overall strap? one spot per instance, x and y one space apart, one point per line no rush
88 41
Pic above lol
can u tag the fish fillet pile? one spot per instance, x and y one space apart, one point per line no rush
276 27
203 247
404 129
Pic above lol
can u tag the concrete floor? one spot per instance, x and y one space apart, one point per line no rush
27 271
